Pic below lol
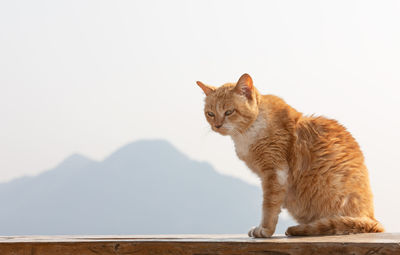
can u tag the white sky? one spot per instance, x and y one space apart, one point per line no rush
91 76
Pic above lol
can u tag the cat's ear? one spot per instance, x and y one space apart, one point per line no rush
244 86
207 89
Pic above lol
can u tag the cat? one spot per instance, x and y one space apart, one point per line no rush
310 165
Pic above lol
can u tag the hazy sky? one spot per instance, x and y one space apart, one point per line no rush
91 76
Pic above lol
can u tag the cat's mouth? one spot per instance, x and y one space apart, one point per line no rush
223 130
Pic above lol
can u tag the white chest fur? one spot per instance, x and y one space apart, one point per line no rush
252 134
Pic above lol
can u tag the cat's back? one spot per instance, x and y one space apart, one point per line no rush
272 102
323 145
280 115
316 133
319 130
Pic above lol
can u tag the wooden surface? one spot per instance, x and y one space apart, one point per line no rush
382 243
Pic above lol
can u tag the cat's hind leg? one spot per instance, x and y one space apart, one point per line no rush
338 225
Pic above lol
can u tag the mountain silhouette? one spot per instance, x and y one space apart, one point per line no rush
145 187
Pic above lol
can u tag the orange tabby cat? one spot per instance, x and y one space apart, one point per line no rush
310 165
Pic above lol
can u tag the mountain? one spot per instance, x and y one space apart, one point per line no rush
146 187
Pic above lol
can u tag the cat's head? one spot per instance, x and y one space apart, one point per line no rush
231 108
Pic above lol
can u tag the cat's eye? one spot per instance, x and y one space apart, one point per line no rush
210 114
228 112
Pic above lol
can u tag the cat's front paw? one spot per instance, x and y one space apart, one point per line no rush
260 232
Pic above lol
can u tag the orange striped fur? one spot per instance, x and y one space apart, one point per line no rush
310 165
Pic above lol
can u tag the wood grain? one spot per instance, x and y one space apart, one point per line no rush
382 243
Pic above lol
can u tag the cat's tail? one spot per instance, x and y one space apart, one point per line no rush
338 225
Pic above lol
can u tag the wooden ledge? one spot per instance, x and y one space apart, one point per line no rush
382 243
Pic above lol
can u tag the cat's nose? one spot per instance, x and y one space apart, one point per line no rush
218 126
